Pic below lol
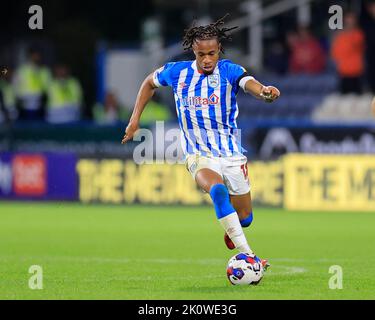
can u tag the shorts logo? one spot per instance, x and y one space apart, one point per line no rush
193 167
213 80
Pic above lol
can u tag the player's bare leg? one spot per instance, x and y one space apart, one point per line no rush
212 183
206 178
242 204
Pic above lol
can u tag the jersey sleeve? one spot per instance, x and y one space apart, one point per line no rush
163 75
238 75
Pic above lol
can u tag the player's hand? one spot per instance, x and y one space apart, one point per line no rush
269 93
130 130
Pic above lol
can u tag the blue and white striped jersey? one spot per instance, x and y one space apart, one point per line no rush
206 105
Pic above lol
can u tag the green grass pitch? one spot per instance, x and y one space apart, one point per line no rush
151 252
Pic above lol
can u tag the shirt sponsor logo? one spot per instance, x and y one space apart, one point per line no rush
195 101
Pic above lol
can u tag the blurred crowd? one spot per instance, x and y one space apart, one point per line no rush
34 92
351 50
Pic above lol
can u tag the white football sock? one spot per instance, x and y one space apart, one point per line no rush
232 226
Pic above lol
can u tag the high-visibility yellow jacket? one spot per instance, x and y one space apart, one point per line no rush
155 111
31 80
64 98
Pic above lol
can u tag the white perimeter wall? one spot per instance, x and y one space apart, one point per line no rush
124 72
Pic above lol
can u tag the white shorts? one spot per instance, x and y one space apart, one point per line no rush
233 170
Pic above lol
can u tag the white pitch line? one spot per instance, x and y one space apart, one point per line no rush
127 278
209 261
285 270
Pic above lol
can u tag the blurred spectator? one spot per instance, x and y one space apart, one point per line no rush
64 97
306 53
8 110
111 111
348 53
155 111
369 30
31 81
277 59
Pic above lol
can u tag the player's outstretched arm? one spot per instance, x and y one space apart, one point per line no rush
267 93
145 93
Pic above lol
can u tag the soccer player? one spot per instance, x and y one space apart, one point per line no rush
205 94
